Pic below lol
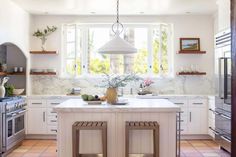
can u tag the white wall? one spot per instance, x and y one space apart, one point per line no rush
14 25
223 14
201 26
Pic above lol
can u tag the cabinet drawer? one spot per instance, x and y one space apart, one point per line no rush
54 102
50 112
197 103
52 120
52 130
37 103
179 102
183 128
184 120
183 111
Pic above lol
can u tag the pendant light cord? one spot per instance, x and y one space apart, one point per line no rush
117 17
117 25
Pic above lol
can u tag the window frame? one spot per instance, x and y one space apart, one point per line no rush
84 54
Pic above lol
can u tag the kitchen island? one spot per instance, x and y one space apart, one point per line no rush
159 110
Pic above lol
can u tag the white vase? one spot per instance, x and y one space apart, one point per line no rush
2 87
2 91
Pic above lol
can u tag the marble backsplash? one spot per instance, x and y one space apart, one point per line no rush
41 85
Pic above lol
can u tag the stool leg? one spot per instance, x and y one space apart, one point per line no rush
104 142
126 141
156 142
75 142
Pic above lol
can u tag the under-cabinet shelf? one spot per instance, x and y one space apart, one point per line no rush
43 52
191 73
43 73
192 52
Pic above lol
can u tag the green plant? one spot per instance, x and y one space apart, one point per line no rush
115 81
9 89
46 32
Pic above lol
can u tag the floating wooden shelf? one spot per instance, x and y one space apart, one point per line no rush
12 73
192 52
43 52
16 73
43 73
3 73
191 73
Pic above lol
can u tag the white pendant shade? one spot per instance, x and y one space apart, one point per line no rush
117 46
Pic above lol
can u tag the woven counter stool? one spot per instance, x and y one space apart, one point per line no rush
88 125
145 125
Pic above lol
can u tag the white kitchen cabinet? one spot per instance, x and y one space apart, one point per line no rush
36 121
194 115
198 121
41 118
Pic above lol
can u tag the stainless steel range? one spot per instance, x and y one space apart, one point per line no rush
12 127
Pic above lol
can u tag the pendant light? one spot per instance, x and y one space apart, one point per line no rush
117 45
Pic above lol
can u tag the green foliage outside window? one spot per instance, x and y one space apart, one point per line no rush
140 62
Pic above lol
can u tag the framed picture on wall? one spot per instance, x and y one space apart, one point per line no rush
190 44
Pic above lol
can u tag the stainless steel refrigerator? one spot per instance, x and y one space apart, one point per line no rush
222 109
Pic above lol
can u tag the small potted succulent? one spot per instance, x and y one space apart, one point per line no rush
113 82
42 35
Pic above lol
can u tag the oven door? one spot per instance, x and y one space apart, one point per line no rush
9 131
15 128
19 125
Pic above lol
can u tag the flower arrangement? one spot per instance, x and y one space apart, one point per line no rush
115 81
112 82
42 34
147 82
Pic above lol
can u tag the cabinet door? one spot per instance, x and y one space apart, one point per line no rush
37 121
198 121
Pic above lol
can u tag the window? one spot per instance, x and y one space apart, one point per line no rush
81 42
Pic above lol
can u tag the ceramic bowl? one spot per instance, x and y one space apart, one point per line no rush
18 91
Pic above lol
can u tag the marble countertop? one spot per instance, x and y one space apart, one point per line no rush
134 105
161 96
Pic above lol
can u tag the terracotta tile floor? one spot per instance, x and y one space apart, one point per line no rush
47 148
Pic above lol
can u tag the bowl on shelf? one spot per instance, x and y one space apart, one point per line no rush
18 91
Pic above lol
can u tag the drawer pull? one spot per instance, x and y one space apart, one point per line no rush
179 103
53 121
195 103
55 103
54 130
34 103
53 112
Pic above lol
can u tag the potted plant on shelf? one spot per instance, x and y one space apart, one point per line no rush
42 35
113 82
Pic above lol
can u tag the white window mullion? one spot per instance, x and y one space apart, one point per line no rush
85 37
76 50
169 49
160 50
150 50
63 60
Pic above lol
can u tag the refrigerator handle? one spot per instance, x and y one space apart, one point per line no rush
220 79
225 78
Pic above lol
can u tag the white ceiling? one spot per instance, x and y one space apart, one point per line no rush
127 7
